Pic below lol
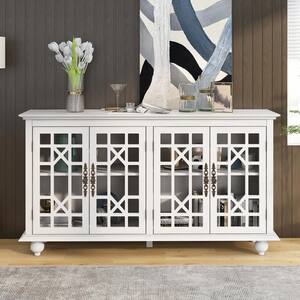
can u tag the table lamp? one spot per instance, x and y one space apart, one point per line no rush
2 52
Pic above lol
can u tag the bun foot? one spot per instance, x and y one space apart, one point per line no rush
37 248
261 247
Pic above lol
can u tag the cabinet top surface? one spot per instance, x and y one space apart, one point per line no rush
98 114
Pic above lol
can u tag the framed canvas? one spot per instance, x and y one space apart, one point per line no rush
183 41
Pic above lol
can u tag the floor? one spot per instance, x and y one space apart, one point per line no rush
285 252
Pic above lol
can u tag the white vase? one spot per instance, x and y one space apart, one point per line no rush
75 98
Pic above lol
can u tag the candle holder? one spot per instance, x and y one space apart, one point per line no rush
187 102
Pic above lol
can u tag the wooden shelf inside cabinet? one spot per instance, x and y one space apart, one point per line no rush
48 173
221 172
165 172
134 171
224 172
116 172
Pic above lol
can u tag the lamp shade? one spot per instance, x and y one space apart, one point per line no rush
2 52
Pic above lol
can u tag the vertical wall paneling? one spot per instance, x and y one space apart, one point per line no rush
20 106
267 32
257 47
237 48
247 54
10 127
291 156
34 80
277 105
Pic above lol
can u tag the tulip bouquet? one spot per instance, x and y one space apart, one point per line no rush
75 57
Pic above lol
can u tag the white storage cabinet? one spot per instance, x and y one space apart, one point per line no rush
100 176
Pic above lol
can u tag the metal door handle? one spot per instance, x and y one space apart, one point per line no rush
206 180
213 180
93 179
85 180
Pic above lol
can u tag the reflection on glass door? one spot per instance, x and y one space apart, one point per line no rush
117 159
181 184
60 184
238 162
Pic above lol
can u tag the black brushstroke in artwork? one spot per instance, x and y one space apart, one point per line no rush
227 78
145 79
182 57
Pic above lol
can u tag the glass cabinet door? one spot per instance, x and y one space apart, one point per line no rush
238 166
181 188
60 196
117 159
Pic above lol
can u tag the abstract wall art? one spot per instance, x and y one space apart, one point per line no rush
181 41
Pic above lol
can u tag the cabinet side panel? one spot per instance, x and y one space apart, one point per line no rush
28 177
270 177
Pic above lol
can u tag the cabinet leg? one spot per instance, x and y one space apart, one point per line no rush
37 248
149 244
261 247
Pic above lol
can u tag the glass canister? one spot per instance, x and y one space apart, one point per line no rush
205 99
187 102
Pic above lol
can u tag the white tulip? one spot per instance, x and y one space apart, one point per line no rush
67 51
89 58
79 52
64 52
53 47
68 60
62 45
88 52
59 58
89 46
83 46
78 41
81 65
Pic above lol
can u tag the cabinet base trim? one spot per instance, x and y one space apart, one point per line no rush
155 238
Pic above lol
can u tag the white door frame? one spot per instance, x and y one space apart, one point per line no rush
37 229
141 229
158 229
262 178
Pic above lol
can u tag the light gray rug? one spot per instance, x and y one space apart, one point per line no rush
149 282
